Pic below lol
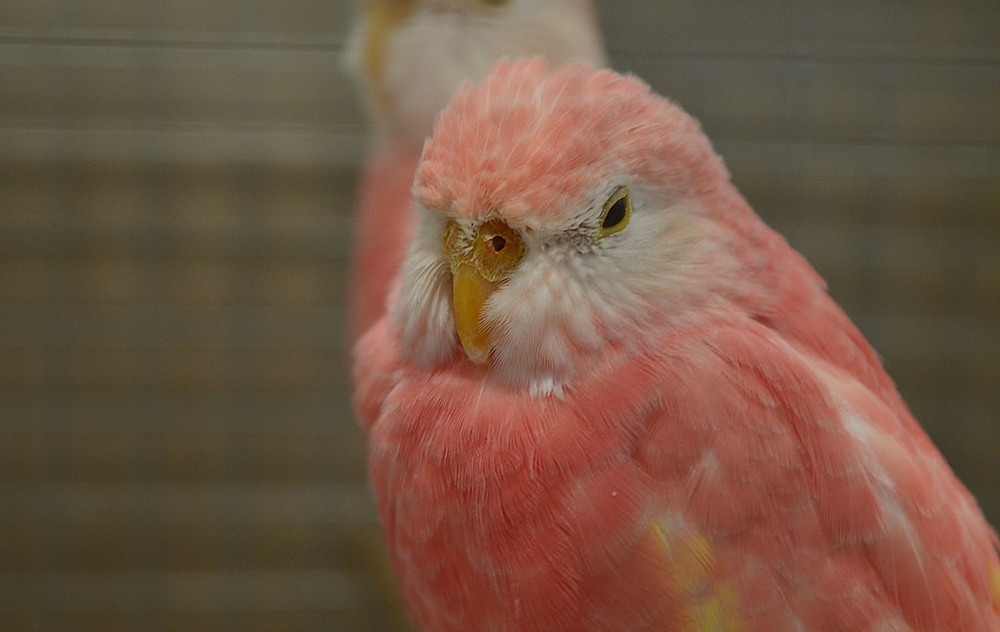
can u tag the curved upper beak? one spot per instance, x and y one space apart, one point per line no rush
478 267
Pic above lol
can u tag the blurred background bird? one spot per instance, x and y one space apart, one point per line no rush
409 57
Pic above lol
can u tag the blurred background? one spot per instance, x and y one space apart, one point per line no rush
177 449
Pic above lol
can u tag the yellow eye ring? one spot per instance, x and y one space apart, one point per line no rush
617 213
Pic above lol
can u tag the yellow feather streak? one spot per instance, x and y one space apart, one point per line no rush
995 577
712 605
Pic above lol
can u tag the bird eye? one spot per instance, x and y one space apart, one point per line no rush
617 212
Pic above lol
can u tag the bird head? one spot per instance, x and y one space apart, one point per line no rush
561 215
411 55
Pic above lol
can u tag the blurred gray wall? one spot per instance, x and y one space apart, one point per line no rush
176 179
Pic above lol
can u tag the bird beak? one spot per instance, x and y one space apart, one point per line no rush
478 268
380 18
471 291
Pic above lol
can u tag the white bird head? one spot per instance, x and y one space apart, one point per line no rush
411 55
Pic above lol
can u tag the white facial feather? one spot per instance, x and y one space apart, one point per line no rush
573 294
424 308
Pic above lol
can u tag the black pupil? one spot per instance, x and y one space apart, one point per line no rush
615 214
498 243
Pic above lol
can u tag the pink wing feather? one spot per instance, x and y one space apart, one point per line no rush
816 498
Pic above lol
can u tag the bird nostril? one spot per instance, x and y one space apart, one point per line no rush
498 243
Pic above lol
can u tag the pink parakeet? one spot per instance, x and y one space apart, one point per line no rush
410 56
610 398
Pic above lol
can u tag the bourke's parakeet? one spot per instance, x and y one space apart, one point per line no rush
609 397
410 56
